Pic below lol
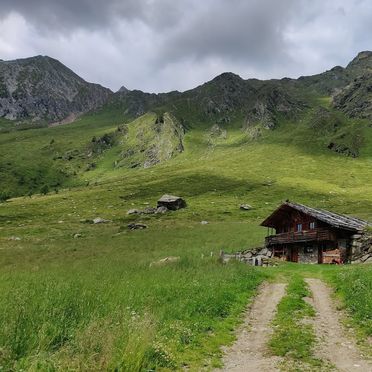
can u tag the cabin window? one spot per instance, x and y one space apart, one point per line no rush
312 225
299 227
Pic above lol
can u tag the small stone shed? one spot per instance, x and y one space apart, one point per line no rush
171 202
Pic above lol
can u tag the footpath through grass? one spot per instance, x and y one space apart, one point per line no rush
293 338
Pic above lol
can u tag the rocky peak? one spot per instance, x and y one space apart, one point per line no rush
227 79
43 89
363 61
123 90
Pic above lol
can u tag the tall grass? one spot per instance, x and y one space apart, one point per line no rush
354 285
124 318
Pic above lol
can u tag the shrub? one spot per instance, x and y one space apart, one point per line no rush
4 196
44 190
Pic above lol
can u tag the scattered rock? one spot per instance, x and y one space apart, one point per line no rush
149 210
161 210
171 202
76 236
137 226
164 261
204 222
245 207
98 220
14 238
134 211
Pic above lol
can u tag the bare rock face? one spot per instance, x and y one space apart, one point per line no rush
43 89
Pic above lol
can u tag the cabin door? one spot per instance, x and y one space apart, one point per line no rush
294 254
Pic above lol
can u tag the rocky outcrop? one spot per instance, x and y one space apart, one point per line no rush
151 139
43 89
355 100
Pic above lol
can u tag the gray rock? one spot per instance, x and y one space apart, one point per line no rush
161 210
76 236
134 211
204 222
264 251
98 220
171 202
137 226
245 207
149 210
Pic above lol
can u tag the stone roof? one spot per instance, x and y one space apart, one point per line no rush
334 219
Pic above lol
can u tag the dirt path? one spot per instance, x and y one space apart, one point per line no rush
333 344
249 351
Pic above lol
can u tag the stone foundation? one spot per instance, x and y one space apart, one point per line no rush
361 248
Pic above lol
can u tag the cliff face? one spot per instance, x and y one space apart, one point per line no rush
42 88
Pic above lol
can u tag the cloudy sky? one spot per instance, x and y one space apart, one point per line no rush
161 45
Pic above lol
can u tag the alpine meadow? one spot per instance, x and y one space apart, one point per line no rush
97 275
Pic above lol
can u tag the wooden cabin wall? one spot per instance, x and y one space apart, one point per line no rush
293 218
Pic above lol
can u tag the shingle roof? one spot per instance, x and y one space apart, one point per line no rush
334 219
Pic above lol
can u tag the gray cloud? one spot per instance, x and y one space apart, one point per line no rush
159 45
247 31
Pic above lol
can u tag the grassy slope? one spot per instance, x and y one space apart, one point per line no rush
61 297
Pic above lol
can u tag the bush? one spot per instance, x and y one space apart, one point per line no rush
44 190
4 196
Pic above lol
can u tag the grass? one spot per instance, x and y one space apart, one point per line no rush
353 285
71 316
94 303
293 338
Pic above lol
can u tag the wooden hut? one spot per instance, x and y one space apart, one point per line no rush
299 233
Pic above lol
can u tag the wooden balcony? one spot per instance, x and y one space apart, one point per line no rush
301 236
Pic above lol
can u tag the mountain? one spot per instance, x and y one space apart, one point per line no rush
131 130
43 89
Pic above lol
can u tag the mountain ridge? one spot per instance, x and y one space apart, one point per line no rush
42 89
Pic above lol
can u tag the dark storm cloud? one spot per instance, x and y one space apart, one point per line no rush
251 31
159 45
69 15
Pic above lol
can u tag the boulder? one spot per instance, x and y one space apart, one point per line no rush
98 220
133 211
245 207
137 226
204 222
171 202
264 251
161 210
164 261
